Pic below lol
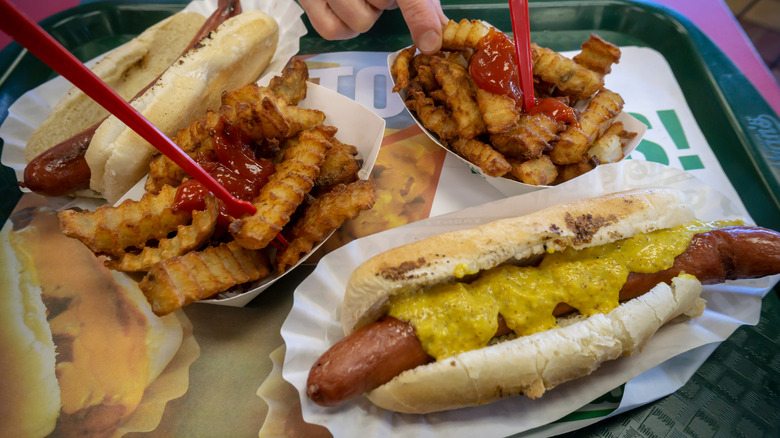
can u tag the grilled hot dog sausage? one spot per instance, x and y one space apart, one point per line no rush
374 354
62 169
719 255
376 348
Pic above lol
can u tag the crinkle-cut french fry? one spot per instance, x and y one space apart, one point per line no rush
434 117
539 172
483 155
499 112
189 139
173 283
298 119
574 170
324 216
285 190
609 147
400 68
187 238
598 55
460 57
575 140
530 139
177 271
341 165
570 78
111 230
259 119
417 61
196 139
291 85
464 34
259 112
530 148
461 98
422 75
425 77
439 98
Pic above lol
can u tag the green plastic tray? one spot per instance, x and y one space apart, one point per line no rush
736 392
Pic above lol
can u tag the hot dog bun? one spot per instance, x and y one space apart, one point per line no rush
127 70
535 363
234 54
589 222
528 364
80 344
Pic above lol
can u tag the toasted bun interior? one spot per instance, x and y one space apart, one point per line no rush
127 70
233 55
535 363
29 392
578 224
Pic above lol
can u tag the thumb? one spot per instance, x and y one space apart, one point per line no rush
424 19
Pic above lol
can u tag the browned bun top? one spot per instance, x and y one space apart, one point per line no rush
578 224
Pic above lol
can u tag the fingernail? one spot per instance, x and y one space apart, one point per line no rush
429 42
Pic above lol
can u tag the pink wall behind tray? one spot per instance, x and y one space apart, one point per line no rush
37 10
716 20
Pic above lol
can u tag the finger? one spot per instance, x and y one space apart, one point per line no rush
325 21
442 17
383 5
424 18
358 15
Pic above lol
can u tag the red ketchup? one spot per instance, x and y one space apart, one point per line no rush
554 109
494 66
236 168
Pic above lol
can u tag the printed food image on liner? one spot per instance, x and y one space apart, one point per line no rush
82 352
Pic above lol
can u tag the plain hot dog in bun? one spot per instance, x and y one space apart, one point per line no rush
128 69
468 317
55 151
55 154
234 54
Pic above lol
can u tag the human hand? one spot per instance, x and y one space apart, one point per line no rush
344 19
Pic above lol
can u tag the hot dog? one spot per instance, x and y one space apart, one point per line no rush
62 169
55 150
229 50
233 55
131 69
382 347
376 353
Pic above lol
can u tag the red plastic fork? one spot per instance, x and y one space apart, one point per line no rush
27 33
521 29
